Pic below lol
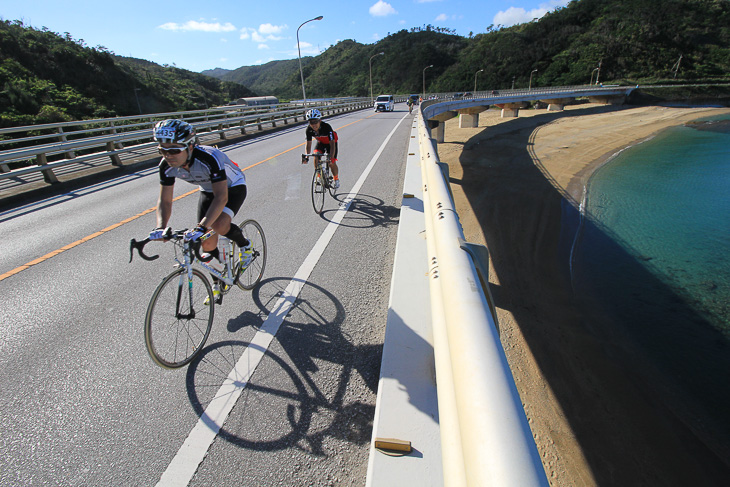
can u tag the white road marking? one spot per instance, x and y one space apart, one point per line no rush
191 454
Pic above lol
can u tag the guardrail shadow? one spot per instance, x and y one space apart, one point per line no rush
639 373
307 390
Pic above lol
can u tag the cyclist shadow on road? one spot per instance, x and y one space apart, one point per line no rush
314 390
365 211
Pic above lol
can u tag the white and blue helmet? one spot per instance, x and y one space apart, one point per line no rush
313 114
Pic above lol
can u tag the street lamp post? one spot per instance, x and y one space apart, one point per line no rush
371 73
594 70
299 51
137 98
475 79
531 73
424 80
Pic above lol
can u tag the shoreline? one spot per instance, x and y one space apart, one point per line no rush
510 178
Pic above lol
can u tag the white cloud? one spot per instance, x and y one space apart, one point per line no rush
256 37
441 18
263 46
381 9
192 25
427 1
271 29
518 15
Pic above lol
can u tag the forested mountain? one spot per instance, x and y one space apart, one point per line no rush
635 41
46 77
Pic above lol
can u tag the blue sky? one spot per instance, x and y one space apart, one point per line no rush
199 35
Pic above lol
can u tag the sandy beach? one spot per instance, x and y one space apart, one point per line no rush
601 412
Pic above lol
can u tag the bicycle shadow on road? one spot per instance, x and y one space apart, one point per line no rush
314 390
365 211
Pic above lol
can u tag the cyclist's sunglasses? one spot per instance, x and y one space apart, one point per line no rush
173 151
314 121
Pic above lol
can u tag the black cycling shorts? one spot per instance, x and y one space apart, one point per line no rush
236 196
327 148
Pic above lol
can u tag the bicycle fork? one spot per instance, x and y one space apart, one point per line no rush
178 304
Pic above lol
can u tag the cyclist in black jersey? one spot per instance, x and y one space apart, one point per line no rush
326 140
222 189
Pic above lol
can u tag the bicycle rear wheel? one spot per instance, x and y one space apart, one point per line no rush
318 191
249 277
176 328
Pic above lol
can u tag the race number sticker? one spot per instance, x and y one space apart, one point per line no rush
165 133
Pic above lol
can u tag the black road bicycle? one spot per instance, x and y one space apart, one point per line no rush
322 181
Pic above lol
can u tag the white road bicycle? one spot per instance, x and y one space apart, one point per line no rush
180 314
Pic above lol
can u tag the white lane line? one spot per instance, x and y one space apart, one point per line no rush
191 454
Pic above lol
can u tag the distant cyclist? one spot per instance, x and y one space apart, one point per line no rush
326 140
222 189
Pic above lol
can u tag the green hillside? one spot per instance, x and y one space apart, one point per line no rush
635 41
46 77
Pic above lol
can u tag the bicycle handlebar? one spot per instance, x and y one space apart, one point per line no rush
176 235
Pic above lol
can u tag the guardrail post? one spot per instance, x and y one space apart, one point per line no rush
48 175
113 131
116 160
4 168
62 138
223 132
258 120
273 121
243 127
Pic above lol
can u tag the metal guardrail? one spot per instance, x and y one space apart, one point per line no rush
485 436
119 132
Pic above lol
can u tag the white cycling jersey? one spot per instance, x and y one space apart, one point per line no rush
209 165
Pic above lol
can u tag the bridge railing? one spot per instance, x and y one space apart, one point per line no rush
76 142
485 436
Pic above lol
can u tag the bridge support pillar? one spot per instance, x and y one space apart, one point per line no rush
468 120
437 130
469 117
510 110
436 124
557 104
608 100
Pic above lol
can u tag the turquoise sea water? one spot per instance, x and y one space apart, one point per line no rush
659 218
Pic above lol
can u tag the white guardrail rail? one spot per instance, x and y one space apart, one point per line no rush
485 436
44 147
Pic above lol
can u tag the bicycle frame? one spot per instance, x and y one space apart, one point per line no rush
189 263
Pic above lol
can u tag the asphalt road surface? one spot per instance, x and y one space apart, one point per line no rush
81 403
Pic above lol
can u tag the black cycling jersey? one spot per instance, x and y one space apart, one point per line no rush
325 134
208 165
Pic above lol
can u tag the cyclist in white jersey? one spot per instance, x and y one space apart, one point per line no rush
222 188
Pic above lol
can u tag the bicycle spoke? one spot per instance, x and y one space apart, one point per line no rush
178 322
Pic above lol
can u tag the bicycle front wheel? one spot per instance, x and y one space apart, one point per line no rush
249 277
318 191
178 320
331 183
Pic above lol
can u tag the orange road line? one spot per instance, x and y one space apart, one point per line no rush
145 212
